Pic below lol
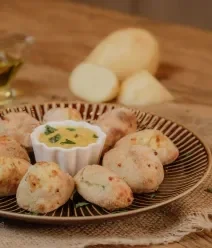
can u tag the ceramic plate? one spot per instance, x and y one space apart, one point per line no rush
181 177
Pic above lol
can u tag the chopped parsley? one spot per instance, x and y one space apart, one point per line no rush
31 213
55 138
95 136
71 129
119 211
49 130
153 195
81 204
67 141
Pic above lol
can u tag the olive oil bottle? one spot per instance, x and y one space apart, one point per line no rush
8 68
13 50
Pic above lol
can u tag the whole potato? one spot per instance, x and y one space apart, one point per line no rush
127 51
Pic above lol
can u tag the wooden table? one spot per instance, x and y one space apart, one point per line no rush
66 32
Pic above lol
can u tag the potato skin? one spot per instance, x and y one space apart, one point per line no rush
142 89
62 114
12 171
127 51
116 124
11 148
137 165
102 187
44 188
164 147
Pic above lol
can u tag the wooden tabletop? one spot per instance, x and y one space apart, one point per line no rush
65 33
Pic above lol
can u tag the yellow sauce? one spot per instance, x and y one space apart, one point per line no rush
67 137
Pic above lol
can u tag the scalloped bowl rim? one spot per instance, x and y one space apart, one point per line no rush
35 133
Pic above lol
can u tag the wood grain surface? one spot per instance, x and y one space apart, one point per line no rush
66 32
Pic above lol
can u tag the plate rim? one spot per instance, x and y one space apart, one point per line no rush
110 216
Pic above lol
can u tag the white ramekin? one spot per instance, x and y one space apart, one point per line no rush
73 159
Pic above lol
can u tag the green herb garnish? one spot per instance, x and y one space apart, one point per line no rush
55 138
81 204
67 141
119 211
153 195
31 213
71 129
76 135
95 136
49 130
209 190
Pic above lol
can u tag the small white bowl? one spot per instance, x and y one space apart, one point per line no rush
73 159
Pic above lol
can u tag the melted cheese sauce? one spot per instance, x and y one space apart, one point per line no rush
68 137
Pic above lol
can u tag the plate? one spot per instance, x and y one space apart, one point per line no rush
181 177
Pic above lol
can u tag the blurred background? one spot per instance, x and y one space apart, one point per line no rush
197 13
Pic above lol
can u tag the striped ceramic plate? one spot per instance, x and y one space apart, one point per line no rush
181 177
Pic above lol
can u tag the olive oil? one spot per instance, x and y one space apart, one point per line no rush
13 51
8 68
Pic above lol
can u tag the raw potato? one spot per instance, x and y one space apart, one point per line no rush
11 148
102 187
12 171
126 52
62 114
44 188
19 126
163 146
137 165
143 89
116 124
93 83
